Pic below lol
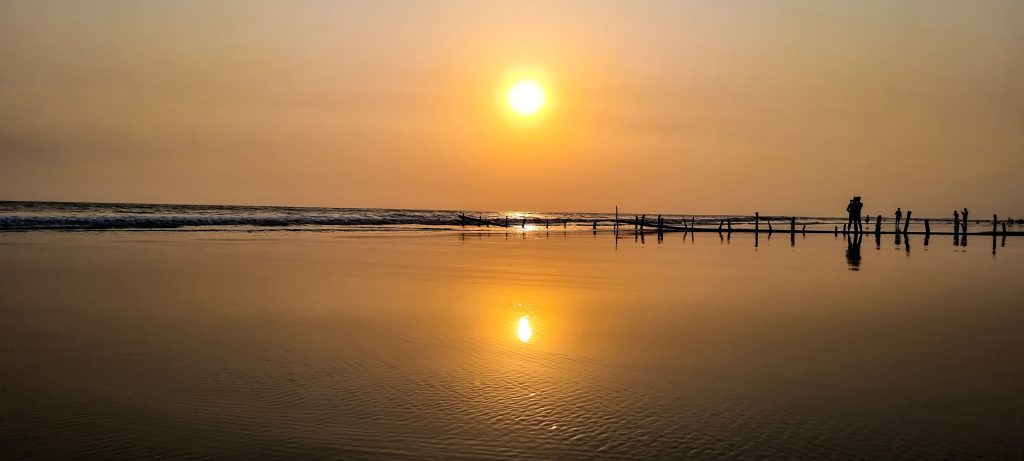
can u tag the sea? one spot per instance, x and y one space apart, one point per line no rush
72 216
167 332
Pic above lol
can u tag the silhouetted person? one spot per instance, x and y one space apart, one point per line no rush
899 216
854 223
853 251
849 215
965 221
956 222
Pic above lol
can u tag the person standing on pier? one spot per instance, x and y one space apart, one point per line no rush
965 220
849 215
899 215
854 223
956 222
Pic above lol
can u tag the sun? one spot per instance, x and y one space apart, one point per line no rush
526 97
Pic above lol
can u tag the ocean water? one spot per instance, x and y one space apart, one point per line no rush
24 216
483 344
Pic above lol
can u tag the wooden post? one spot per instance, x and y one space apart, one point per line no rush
835 231
506 221
878 225
995 220
792 225
728 222
844 229
757 222
1004 229
660 227
720 224
803 230
906 224
769 221
524 223
927 228
546 223
643 222
616 226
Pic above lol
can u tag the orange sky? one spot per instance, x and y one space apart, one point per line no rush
784 107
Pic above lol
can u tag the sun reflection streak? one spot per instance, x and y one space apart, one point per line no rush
524 331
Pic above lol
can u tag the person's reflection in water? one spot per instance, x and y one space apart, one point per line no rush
853 251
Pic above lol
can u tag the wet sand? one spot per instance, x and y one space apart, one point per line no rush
408 346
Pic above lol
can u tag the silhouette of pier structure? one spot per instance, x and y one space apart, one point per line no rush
741 225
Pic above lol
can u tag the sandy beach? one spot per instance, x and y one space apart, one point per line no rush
407 345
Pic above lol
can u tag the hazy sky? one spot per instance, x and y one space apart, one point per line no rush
786 107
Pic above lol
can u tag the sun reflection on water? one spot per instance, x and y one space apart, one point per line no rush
524 331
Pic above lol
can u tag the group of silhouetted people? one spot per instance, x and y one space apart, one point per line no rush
956 221
854 223
854 209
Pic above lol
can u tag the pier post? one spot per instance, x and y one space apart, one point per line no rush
844 229
835 230
728 222
757 222
643 222
803 228
769 221
906 224
1004 229
878 225
995 220
720 224
524 223
927 228
792 225
506 221
660 227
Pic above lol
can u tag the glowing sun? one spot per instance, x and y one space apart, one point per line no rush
526 97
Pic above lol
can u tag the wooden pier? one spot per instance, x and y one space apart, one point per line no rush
641 226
